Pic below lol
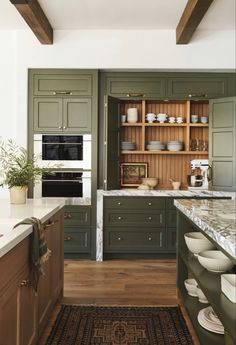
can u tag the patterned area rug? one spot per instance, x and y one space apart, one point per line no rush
90 325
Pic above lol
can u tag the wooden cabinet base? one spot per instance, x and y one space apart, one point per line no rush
23 313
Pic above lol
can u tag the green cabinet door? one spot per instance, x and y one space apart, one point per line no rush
136 86
63 83
197 87
77 114
48 114
222 143
112 144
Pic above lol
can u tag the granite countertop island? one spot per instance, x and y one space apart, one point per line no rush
11 214
217 218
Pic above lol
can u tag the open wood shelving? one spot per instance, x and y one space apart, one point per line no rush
165 164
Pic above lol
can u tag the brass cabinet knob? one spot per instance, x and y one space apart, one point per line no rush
119 238
149 218
25 282
64 127
119 217
149 204
149 239
67 238
60 127
67 216
119 203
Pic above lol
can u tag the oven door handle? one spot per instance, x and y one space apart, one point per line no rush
73 181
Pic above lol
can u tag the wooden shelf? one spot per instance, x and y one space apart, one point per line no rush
124 152
126 124
198 125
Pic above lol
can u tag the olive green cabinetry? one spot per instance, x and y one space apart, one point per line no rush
65 101
210 284
222 150
137 226
77 231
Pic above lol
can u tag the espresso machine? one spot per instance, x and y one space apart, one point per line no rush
199 174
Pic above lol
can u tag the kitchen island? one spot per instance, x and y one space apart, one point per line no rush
149 215
24 312
216 219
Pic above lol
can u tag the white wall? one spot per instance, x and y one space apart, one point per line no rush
155 50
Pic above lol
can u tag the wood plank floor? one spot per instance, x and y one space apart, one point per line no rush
119 282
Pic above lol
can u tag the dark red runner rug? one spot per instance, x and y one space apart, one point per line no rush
94 325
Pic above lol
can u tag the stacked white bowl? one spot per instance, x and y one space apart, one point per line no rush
175 145
228 286
155 145
197 242
215 261
161 117
128 145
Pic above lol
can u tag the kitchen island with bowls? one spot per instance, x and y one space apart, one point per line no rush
216 220
25 307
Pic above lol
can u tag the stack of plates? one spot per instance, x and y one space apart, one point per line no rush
208 319
155 146
228 286
128 145
175 145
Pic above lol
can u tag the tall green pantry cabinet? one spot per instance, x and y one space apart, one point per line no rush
65 101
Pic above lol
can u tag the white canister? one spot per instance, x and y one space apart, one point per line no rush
132 115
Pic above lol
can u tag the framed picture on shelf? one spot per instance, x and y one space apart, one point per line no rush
132 173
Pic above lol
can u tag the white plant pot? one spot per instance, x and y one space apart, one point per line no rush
18 194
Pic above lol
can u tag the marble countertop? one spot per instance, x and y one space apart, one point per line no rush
10 214
168 193
217 218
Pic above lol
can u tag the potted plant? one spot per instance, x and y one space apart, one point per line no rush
18 170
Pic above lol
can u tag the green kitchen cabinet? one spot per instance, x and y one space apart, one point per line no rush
111 152
63 83
200 87
67 115
137 85
222 144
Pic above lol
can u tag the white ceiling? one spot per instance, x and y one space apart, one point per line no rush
119 14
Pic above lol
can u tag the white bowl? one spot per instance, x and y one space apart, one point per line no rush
191 287
228 286
201 297
215 261
150 181
197 242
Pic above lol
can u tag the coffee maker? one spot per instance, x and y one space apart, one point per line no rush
199 174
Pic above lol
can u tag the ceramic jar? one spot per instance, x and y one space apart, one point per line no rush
132 115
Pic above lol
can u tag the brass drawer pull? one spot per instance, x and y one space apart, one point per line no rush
25 282
161 218
197 95
119 218
135 95
60 127
149 239
149 204
62 93
119 203
68 238
149 218
161 239
67 216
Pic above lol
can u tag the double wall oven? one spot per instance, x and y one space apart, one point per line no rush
73 154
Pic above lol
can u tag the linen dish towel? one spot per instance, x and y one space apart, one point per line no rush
39 252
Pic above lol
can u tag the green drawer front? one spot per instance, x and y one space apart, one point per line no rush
63 85
80 216
130 87
137 240
126 218
171 239
171 218
197 87
76 240
134 203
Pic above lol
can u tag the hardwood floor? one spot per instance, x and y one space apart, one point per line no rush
119 282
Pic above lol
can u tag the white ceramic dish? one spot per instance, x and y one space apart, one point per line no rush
197 242
209 320
215 261
228 286
191 287
150 181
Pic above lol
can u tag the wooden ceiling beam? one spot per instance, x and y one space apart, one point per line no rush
34 16
190 19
